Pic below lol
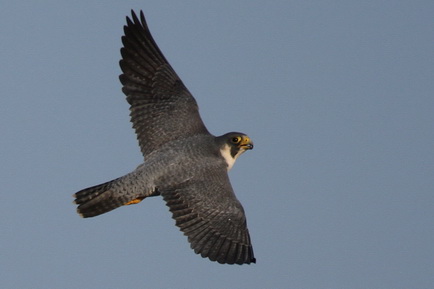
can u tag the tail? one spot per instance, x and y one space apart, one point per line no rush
96 200
102 198
129 189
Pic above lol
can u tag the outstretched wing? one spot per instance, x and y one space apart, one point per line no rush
206 210
162 108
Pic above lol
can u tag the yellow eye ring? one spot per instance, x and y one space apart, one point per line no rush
236 139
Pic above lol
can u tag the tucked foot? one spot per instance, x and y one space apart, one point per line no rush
133 202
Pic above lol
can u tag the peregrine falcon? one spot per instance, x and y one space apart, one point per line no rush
183 162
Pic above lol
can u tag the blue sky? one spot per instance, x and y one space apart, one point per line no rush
338 97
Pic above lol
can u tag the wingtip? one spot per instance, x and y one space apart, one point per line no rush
134 16
135 20
142 17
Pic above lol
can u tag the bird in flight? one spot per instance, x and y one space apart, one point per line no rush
183 162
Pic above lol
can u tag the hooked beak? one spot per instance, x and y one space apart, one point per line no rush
246 143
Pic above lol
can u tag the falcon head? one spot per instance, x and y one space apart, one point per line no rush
232 145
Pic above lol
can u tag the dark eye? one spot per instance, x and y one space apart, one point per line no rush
236 139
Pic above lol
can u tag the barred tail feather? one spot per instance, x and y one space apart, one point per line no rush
97 200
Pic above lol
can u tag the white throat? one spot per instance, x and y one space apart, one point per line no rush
226 154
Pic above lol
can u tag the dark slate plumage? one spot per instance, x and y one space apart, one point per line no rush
183 162
154 91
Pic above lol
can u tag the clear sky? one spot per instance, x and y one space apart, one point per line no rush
338 97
